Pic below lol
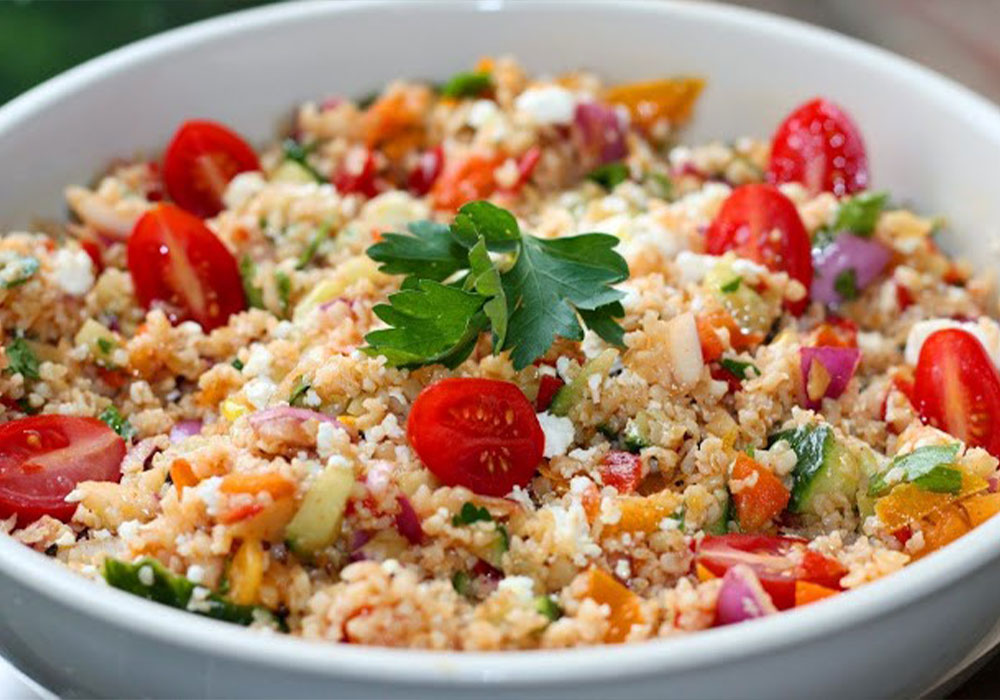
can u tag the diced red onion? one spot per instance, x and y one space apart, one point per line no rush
741 597
840 364
847 252
283 424
141 453
358 540
408 522
601 131
184 429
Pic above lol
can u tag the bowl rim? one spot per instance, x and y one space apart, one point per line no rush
878 599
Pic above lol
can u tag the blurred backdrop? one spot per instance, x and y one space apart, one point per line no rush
40 38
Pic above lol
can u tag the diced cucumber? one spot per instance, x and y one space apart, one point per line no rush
317 523
101 341
294 173
824 466
751 311
493 555
570 394
637 432
328 289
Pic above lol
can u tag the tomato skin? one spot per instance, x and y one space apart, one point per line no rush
426 172
202 158
956 387
746 224
176 262
623 470
820 146
547 388
768 556
43 458
349 181
477 433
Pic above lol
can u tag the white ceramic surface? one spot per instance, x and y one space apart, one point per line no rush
930 141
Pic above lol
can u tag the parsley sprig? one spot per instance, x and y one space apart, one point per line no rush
482 273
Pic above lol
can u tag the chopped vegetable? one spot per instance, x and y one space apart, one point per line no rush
649 102
571 394
547 607
731 286
623 470
601 132
463 85
299 154
317 523
322 233
299 391
148 579
742 597
624 605
929 467
284 287
471 514
845 267
552 285
15 270
248 276
806 592
739 368
117 422
826 372
860 213
609 175
21 359
823 466
761 496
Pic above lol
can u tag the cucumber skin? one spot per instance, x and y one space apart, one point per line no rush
570 394
318 521
812 446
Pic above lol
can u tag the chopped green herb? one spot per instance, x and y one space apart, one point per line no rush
322 233
298 395
471 514
928 467
105 345
822 238
662 186
609 175
467 85
504 538
551 286
739 368
731 286
248 273
297 153
26 408
15 270
846 284
21 359
117 422
462 583
860 213
237 363
284 286
148 579
548 607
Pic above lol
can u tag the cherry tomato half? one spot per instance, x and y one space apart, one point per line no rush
769 557
761 224
477 433
821 147
43 458
623 470
200 161
956 388
177 263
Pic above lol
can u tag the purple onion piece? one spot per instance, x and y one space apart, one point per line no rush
408 522
289 414
840 364
601 131
867 258
741 597
184 429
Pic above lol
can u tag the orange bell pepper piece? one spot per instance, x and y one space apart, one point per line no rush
806 592
981 507
275 484
626 610
648 102
182 475
464 181
643 513
760 503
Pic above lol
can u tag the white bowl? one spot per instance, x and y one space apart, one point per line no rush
930 142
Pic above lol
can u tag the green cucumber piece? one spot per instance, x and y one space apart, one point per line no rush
636 434
293 173
824 466
720 526
570 394
317 523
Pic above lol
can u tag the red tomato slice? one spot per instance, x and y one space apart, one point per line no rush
623 470
547 388
423 176
956 388
43 458
177 263
200 161
761 224
357 176
477 433
769 557
821 147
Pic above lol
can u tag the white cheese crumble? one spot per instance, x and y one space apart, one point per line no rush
74 271
559 434
259 391
208 492
258 362
243 188
550 104
196 573
325 435
986 330
520 586
146 575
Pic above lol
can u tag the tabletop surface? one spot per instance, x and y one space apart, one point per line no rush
954 38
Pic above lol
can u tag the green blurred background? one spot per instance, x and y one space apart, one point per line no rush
41 38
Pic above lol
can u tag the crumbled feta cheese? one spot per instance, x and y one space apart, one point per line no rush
259 391
196 573
258 363
242 188
550 104
578 485
129 529
986 330
208 492
483 113
623 569
325 435
559 433
146 575
74 271
199 600
520 586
